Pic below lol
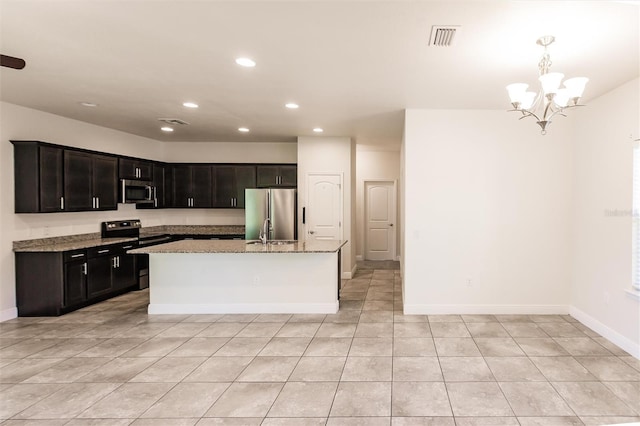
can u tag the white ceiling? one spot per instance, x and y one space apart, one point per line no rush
353 66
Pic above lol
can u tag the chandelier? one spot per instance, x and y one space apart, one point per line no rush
552 99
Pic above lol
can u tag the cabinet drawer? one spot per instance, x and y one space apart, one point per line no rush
101 251
70 256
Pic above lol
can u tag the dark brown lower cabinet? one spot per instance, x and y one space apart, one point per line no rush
54 283
75 283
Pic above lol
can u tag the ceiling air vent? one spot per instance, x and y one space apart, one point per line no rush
173 121
443 35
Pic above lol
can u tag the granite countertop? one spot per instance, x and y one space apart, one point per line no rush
241 246
83 241
192 230
68 245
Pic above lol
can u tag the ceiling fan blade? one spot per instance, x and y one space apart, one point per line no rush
11 62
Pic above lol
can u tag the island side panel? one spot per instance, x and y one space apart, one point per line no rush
192 283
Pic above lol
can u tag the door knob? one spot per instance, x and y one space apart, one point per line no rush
312 232
391 224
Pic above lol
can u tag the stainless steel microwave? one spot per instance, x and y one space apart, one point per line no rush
136 192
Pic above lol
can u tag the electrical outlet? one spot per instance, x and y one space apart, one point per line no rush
46 231
256 280
469 282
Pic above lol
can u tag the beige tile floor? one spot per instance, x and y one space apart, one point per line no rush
112 364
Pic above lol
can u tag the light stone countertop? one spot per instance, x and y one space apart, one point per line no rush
71 245
84 241
241 246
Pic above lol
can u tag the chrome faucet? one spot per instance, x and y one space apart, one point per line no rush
264 232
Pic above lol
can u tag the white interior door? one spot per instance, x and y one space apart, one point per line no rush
324 207
380 216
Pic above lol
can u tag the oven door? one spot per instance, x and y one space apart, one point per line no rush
136 192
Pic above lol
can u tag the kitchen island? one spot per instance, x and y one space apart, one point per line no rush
237 276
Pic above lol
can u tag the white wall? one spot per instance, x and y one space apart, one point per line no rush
372 164
487 199
19 123
329 155
603 166
231 152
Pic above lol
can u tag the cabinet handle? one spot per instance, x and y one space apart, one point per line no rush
155 196
84 268
93 202
103 251
97 202
74 256
137 172
118 261
113 262
61 203
126 247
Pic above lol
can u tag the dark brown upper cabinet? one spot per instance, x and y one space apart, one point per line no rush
38 178
192 185
277 175
90 181
132 168
230 183
50 178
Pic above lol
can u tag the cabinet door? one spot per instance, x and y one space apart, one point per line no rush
145 170
124 275
225 186
127 168
105 182
158 184
245 178
78 193
267 176
288 175
99 276
75 283
51 186
201 186
181 186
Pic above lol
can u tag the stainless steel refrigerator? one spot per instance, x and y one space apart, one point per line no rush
277 205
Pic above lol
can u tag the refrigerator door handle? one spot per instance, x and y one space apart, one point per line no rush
303 214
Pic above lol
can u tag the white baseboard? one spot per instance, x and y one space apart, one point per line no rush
245 308
610 334
8 314
350 275
413 309
359 257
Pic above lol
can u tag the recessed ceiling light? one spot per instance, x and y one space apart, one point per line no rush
318 130
246 62
190 105
88 104
166 129
291 105
243 129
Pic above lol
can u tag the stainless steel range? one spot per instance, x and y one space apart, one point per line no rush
131 229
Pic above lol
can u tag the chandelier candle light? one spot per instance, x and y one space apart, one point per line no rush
552 99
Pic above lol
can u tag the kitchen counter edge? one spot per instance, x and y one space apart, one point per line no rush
240 247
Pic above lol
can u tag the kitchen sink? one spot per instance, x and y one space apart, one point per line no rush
273 242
